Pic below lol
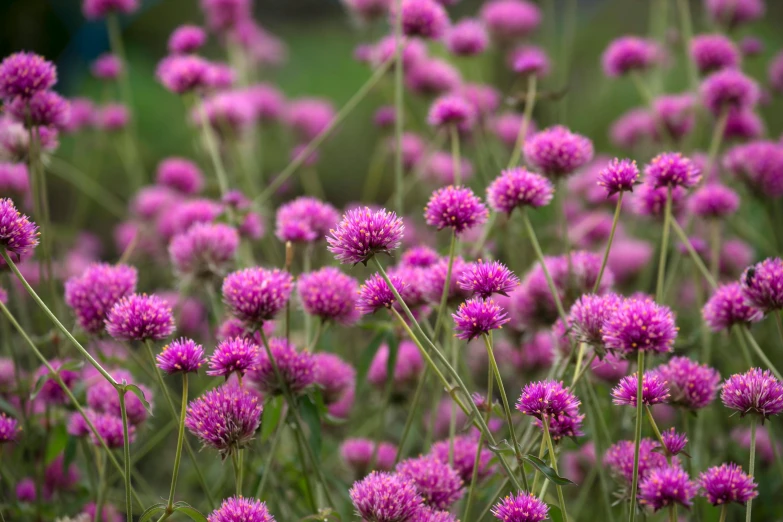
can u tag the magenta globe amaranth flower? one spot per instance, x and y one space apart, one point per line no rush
93 294
385 497
238 355
758 164
753 392
110 429
181 356
633 128
674 442
727 483
107 67
654 390
734 12
375 293
309 117
363 233
407 367
486 278
205 249
676 114
140 317
333 376
455 207
691 385
42 109
224 418
9 428
181 74
588 315
518 187
329 294
728 89
438 483
358 455
667 486
528 60
24 74
619 458
181 175
468 37
94 9
548 399
640 324
711 52
618 176
305 219
186 39
452 110
296 368
714 201
510 20
557 151
241 509
522 507
18 235
672 169
427 514
257 294
727 307
762 284
463 457
628 54
422 18
477 317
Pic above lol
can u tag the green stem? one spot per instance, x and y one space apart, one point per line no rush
752 465
553 460
609 243
308 484
271 455
444 296
717 137
667 218
686 28
455 156
541 452
743 345
779 324
101 497
412 412
600 445
399 112
637 433
477 459
236 460
87 186
697 260
723 510
214 153
126 454
530 101
178 454
760 352
654 426
673 513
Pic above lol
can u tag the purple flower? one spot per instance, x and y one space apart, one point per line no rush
530 59
181 175
452 110
241 509
640 324
233 355
676 113
726 89
775 72
620 456
333 376
107 67
93 294
714 200
433 77
24 74
109 512
329 294
484 98
484 279
691 385
506 127
743 124
427 514
632 128
672 169
464 456
455 207
186 39
112 117
727 483
557 151
468 37
42 109
751 46
477 317
762 284
183 73
619 176
367 10
103 398
611 369
204 249
423 18
363 233
518 187
629 53
654 390
510 20
674 442
110 429
734 12
223 15
9 428
548 399
14 179
94 9
140 317
420 256
384 497
651 201
181 356
297 368
358 455
588 315
375 293
522 507
224 418
760 165
305 219
407 367
728 306
438 483
712 52
667 486
257 294
309 117
754 391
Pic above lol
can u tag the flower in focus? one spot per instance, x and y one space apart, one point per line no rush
363 233
233 355
18 235
640 324
674 442
255 295
667 486
672 169
241 509
296 368
753 392
181 356
619 176
518 187
477 317
484 279
140 317
762 285
588 315
654 390
385 497
375 293
727 483
455 207
24 74
522 507
557 151
438 483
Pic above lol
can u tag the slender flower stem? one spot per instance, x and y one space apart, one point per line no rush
477 459
637 433
412 412
553 460
541 452
178 454
530 101
212 148
271 455
752 465
453 419
600 445
717 136
760 352
654 426
609 242
743 345
723 510
455 155
667 219
308 484
579 358
444 296
126 455
236 459
399 112
686 28
779 324
673 513
697 260
88 186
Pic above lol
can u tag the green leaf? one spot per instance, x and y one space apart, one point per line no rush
368 354
502 446
152 511
272 413
8 408
73 366
547 471
309 412
39 383
555 514
191 512
135 390
58 439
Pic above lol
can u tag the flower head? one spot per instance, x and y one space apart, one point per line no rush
455 207
24 74
728 306
305 219
712 52
93 294
257 294
691 385
714 200
438 483
510 20
385 497
224 418
674 442
762 284
518 187
422 18
557 151
588 315
333 376
358 455
107 67
420 256
363 233
204 249
296 368
428 514
486 278
666 486
640 324
181 356
734 12
452 110
651 201
672 169
620 459
329 294
468 37
181 74
619 176
753 392
186 39
94 9
530 59
464 456
42 109
676 114
181 175
233 355
9 428
50 391
727 483
478 316
140 317
241 509
375 293
110 429
548 399
629 53
728 88
522 507
407 367
654 390
18 235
